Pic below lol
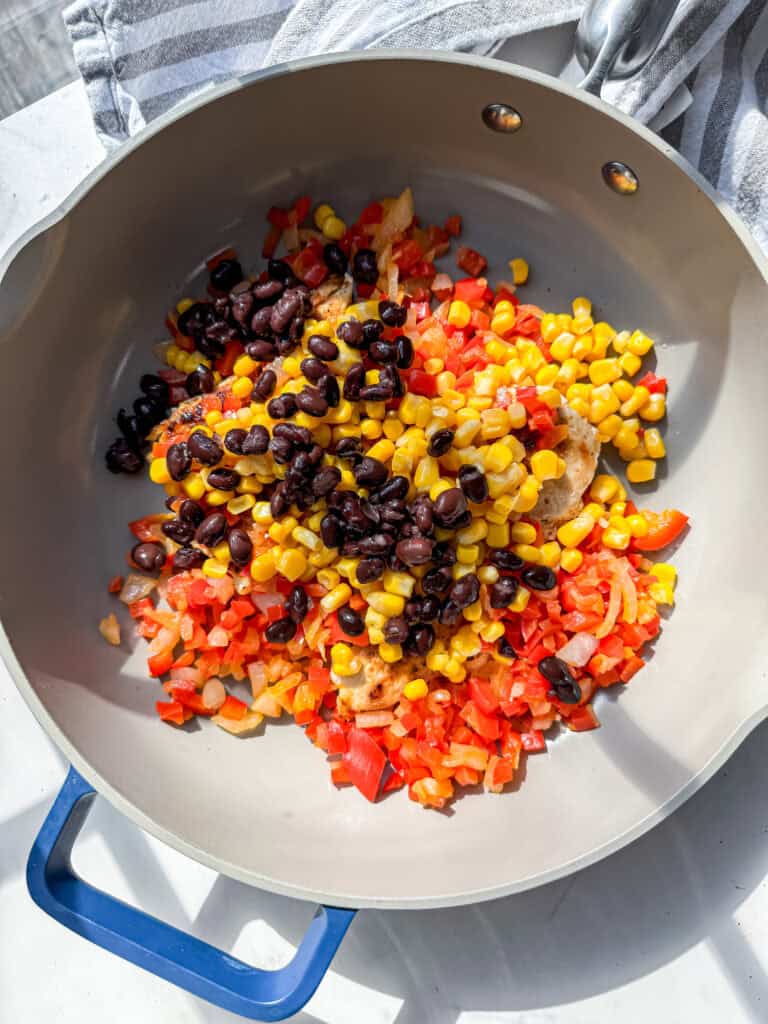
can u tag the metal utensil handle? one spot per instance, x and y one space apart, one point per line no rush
617 37
159 948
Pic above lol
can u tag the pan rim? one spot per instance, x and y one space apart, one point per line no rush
123 804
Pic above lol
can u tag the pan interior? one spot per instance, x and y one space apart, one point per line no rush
80 309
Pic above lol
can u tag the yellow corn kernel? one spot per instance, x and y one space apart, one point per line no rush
528 552
474 612
547 465
347 482
467 554
604 488
194 486
581 306
252 484
518 417
498 533
415 408
498 350
497 458
639 343
572 533
480 402
399 583
436 660
664 572
503 323
222 553
158 471
602 406
219 497
603 333
328 578
619 342
242 387
635 402
261 513
579 405
371 429
630 363
244 366
520 603
466 432
213 417
183 305
604 371
263 566
476 531
655 409
582 348
547 375
281 531
622 389
549 554
392 426
626 437
562 347
214 568
439 486
571 560
291 563
343 412
594 509
386 604
335 598
459 314
390 652
618 508
582 325
528 495
322 213
495 423
465 643
641 471
306 537
520 269
638 525
654 443
662 593
334 228
502 509
615 538
548 327
240 504
383 450
522 533
550 397
319 559
415 689
492 632
427 473
488 574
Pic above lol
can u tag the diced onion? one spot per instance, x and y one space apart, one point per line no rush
110 629
441 283
578 650
136 587
190 674
374 719
214 693
392 279
257 674
611 614
397 218
266 601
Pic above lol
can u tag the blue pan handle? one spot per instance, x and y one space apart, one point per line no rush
157 947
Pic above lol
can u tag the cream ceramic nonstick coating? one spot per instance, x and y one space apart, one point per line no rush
83 300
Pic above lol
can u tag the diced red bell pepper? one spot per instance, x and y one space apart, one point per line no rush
582 719
484 725
664 526
372 214
481 692
232 350
115 585
453 225
630 668
406 255
160 663
337 737
233 708
271 241
395 781
139 608
470 261
656 385
470 290
365 762
172 711
319 679
191 700
340 774
421 383
533 740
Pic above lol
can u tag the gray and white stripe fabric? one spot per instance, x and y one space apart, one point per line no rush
140 57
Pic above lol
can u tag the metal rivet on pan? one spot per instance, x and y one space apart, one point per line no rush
500 117
620 178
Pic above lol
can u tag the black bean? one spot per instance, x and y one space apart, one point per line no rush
404 352
395 489
370 569
505 648
242 307
285 309
155 387
450 613
449 507
364 267
430 608
296 330
280 631
473 484
282 407
282 450
278 503
370 472
326 480
328 387
301 467
178 530
297 604
212 529
376 393
376 544
313 369
279 270
466 590
354 382
382 352
200 381
392 313
502 593
233 440
506 560
440 443
422 513
260 350
558 674
129 428
420 640
350 621
372 331
389 377
178 460
264 385
539 577
188 558
348 447
396 630
300 436
323 348
443 554
415 550
412 610
311 402
331 531
148 412
437 581
351 333
265 290
223 479
225 275
256 441
315 454
335 258
240 546
193 321
149 556
205 449
191 512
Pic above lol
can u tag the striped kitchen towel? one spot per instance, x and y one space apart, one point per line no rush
140 57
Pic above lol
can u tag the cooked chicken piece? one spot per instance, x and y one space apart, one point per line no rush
332 297
560 500
378 685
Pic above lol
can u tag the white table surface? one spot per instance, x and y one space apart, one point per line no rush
673 928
